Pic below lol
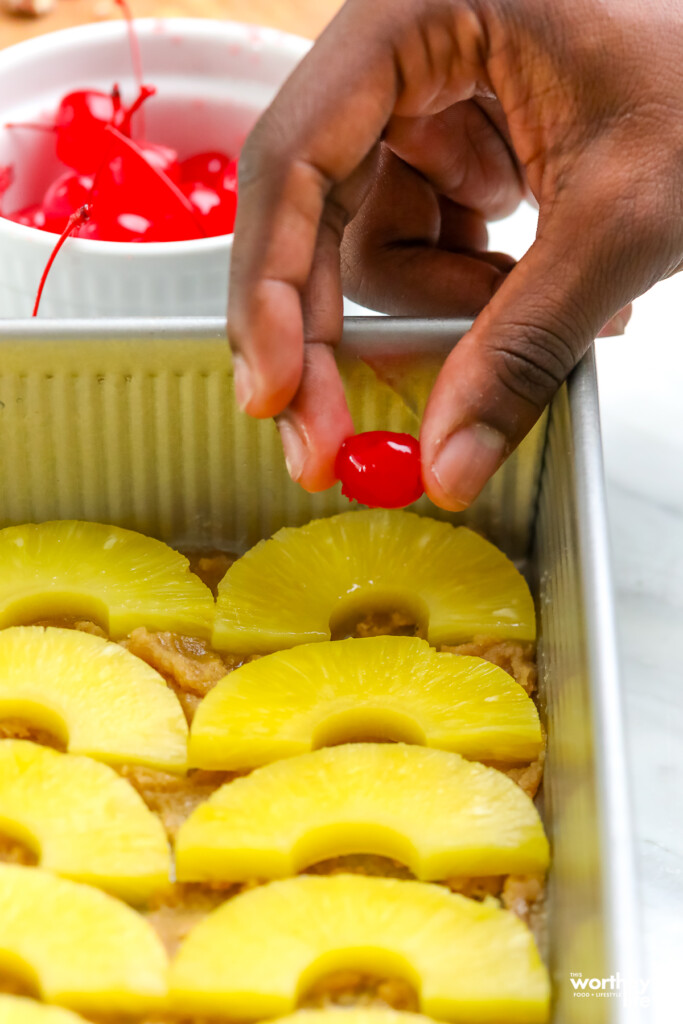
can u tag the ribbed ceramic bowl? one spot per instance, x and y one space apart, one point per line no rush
213 79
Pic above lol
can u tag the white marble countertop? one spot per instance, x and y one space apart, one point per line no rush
641 393
641 399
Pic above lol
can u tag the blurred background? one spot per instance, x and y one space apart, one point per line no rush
641 381
304 17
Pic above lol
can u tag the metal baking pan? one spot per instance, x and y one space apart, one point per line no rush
133 422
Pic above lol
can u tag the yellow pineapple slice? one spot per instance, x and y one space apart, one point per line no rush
116 577
17 1010
93 695
434 811
294 588
84 821
78 946
387 687
258 953
353 1015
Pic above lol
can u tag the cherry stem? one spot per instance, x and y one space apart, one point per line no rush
134 47
76 219
116 97
145 92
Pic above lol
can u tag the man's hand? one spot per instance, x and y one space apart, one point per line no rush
408 126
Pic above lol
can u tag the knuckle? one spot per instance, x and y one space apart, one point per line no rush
267 148
532 361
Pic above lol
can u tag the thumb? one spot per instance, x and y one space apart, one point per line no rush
504 371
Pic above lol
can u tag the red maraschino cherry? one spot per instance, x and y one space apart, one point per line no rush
30 217
80 121
110 226
215 209
127 184
67 193
161 158
229 179
380 469
208 168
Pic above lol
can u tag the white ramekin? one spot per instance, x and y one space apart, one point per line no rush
213 79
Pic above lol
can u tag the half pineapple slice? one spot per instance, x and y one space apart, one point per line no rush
83 820
257 953
387 687
116 577
17 1010
293 588
93 695
437 813
81 948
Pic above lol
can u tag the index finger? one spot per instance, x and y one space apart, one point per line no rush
370 62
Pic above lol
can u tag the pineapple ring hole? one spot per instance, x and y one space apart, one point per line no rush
17 977
18 845
37 722
329 842
52 605
368 725
369 611
342 974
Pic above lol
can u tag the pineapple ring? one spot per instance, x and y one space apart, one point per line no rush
92 694
81 948
258 953
434 811
17 1010
293 588
389 687
87 822
117 577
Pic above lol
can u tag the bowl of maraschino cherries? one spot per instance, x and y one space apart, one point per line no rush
118 163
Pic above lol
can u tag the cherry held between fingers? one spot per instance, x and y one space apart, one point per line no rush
380 468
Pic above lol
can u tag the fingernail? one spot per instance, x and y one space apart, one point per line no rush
466 460
244 387
294 447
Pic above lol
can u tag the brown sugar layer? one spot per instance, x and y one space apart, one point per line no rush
210 566
185 661
524 895
351 988
515 658
11 985
13 851
177 911
173 798
18 729
528 777
379 623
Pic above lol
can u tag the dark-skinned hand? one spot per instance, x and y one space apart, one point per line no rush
408 126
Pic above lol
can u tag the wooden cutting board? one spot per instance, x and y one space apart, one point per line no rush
303 17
